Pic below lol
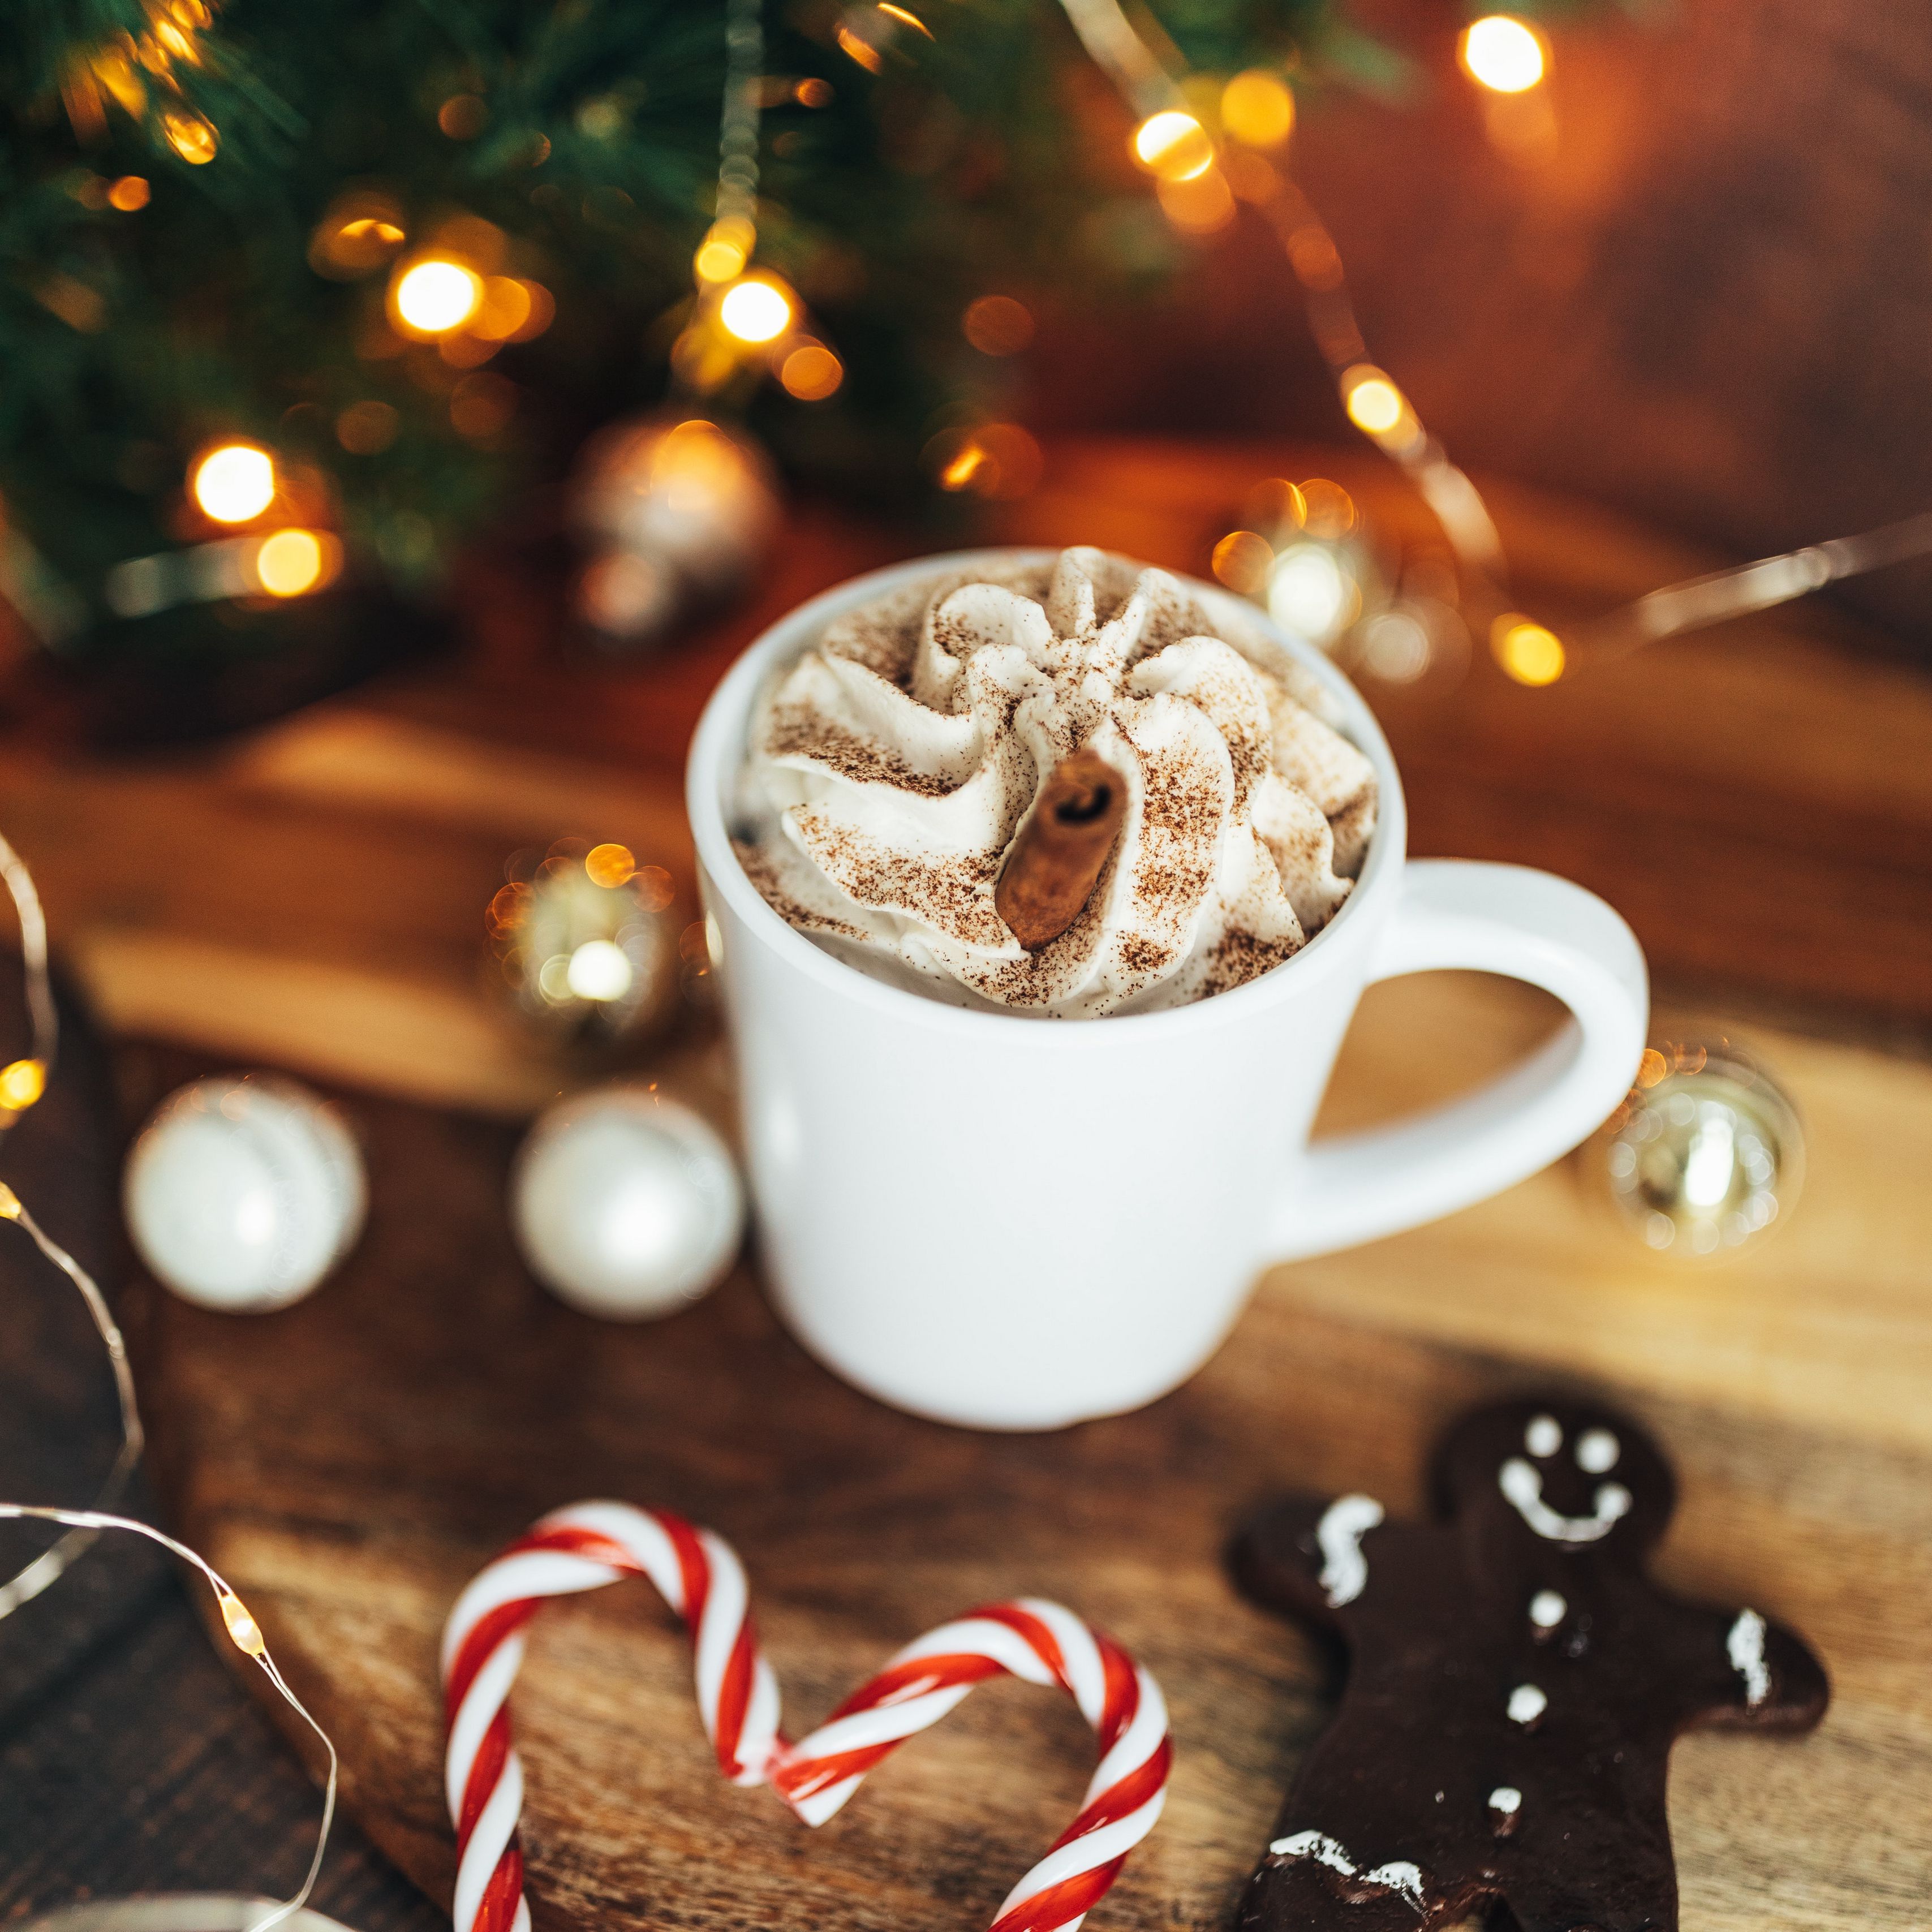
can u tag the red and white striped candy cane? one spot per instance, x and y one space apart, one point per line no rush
696 1572
1043 1643
583 1548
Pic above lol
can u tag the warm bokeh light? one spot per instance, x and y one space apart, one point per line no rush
234 484
129 192
811 373
1242 561
360 231
1200 204
1174 145
998 325
1311 594
1503 53
1373 402
190 136
22 1083
481 406
813 92
599 969
1001 461
1651 1067
726 248
435 296
1257 109
1530 653
290 561
610 864
755 311
367 428
503 310
1327 510
463 117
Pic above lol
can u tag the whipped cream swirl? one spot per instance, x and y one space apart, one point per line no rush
890 766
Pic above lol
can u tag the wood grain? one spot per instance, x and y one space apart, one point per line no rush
351 1461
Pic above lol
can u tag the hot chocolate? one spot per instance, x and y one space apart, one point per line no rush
1067 788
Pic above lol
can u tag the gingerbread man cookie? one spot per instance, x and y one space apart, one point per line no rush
1514 1684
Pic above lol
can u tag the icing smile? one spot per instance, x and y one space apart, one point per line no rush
1522 1482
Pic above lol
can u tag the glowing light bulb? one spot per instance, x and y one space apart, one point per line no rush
190 136
22 1083
1174 145
755 311
1503 54
234 484
435 298
290 562
246 1633
1528 652
1374 403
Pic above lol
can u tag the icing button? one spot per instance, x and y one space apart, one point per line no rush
1547 1608
1505 1806
1526 1704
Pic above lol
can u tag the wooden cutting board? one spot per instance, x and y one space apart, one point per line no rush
351 1462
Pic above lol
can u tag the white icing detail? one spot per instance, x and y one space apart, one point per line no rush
1521 1483
1544 1436
1345 1571
1596 1452
1746 1646
1526 1704
1398 1875
1547 1609
1506 1799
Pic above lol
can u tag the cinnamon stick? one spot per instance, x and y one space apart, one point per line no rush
1052 870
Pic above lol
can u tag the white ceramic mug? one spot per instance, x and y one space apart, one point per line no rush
1018 1223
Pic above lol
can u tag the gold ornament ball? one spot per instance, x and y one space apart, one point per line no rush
585 946
1707 1154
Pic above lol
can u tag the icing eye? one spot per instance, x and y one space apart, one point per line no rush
1544 1436
1597 1451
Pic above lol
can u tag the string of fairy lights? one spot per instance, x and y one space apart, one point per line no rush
22 1082
1199 179
267 526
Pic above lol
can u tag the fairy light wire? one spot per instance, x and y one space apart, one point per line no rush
1122 52
244 1632
44 1018
42 1013
48 1567
740 119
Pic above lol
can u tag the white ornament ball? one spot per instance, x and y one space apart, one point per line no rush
625 1205
243 1192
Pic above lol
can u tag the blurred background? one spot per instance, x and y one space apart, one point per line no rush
434 286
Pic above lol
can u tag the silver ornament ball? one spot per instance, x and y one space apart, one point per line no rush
626 1205
242 1192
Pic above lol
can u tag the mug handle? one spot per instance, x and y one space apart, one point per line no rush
1526 925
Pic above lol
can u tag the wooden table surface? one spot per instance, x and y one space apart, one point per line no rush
1756 801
